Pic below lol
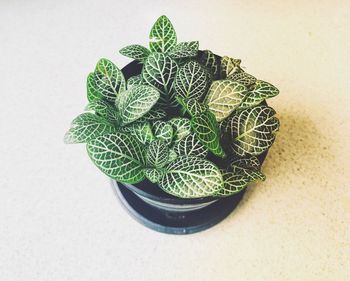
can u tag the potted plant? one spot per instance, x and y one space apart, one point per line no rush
180 132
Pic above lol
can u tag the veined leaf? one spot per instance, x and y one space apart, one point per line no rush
192 106
86 127
159 71
153 175
162 36
136 102
163 131
134 81
182 127
243 78
154 114
185 50
224 97
262 90
233 183
109 79
250 167
209 61
192 81
104 109
207 131
141 131
136 52
229 66
190 146
172 155
157 154
191 177
119 156
92 90
252 130
243 171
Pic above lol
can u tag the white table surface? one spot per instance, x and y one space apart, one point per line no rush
59 219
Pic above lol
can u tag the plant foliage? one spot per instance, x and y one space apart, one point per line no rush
173 121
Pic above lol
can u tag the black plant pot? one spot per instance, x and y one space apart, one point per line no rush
162 212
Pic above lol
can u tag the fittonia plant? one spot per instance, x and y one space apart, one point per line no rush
174 122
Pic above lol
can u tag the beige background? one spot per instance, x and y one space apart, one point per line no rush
59 219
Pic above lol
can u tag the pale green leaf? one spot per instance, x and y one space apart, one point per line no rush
190 146
159 71
86 127
136 102
134 81
224 97
153 175
185 50
163 131
243 78
119 156
261 91
162 36
104 109
192 81
229 66
182 127
109 79
141 131
207 131
192 106
191 177
136 52
252 131
157 154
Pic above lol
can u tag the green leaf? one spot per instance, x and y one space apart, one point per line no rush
119 156
190 146
154 114
172 155
136 102
243 171
159 71
262 90
86 127
192 106
92 90
136 52
134 81
192 81
224 97
109 79
182 127
191 177
252 131
162 36
153 175
104 109
209 61
207 131
243 78
141 131
229 66
250 167
185 50
233 184
157 154
163 131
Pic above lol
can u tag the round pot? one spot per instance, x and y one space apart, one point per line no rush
162 212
